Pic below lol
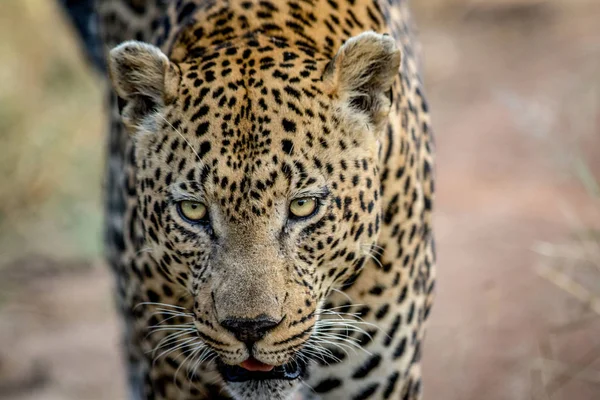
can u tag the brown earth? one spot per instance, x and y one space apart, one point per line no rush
514 88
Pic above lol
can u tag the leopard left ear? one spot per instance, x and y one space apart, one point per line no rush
361 74
143 76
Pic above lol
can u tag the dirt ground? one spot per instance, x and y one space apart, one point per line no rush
514 88
508 100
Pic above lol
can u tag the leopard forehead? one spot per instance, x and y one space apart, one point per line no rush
255 92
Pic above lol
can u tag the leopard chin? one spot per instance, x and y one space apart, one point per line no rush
281 383
272 389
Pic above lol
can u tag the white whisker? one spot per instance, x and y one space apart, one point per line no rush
170 340
186 343
183 137
151 303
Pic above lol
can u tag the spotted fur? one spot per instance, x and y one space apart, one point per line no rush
245 105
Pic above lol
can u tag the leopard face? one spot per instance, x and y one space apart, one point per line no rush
258 187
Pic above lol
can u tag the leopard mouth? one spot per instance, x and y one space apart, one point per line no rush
233 373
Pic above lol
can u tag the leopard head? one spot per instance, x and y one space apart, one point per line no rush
258 188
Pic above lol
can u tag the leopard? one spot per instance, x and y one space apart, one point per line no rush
269 191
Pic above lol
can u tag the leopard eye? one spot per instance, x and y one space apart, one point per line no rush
192 211
303 207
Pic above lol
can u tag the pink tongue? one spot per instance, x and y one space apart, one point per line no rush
254 365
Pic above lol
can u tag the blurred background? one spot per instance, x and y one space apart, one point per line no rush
514 87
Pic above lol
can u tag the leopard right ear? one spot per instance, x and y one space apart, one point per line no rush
143 76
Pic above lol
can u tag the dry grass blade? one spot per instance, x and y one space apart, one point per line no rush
569 285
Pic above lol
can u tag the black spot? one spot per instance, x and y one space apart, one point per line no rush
204 148
393 329
391 385
118 240
289 126
292 92
382 312
367 367
376 290
202 128
327 385
399 351
209 76
186 11
200 113
152 296
288 56
287 146
366 392
411 313
402 295
167 290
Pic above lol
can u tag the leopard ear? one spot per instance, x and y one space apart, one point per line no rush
143 76
360 76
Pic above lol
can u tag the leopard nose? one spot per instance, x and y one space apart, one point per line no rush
250 330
